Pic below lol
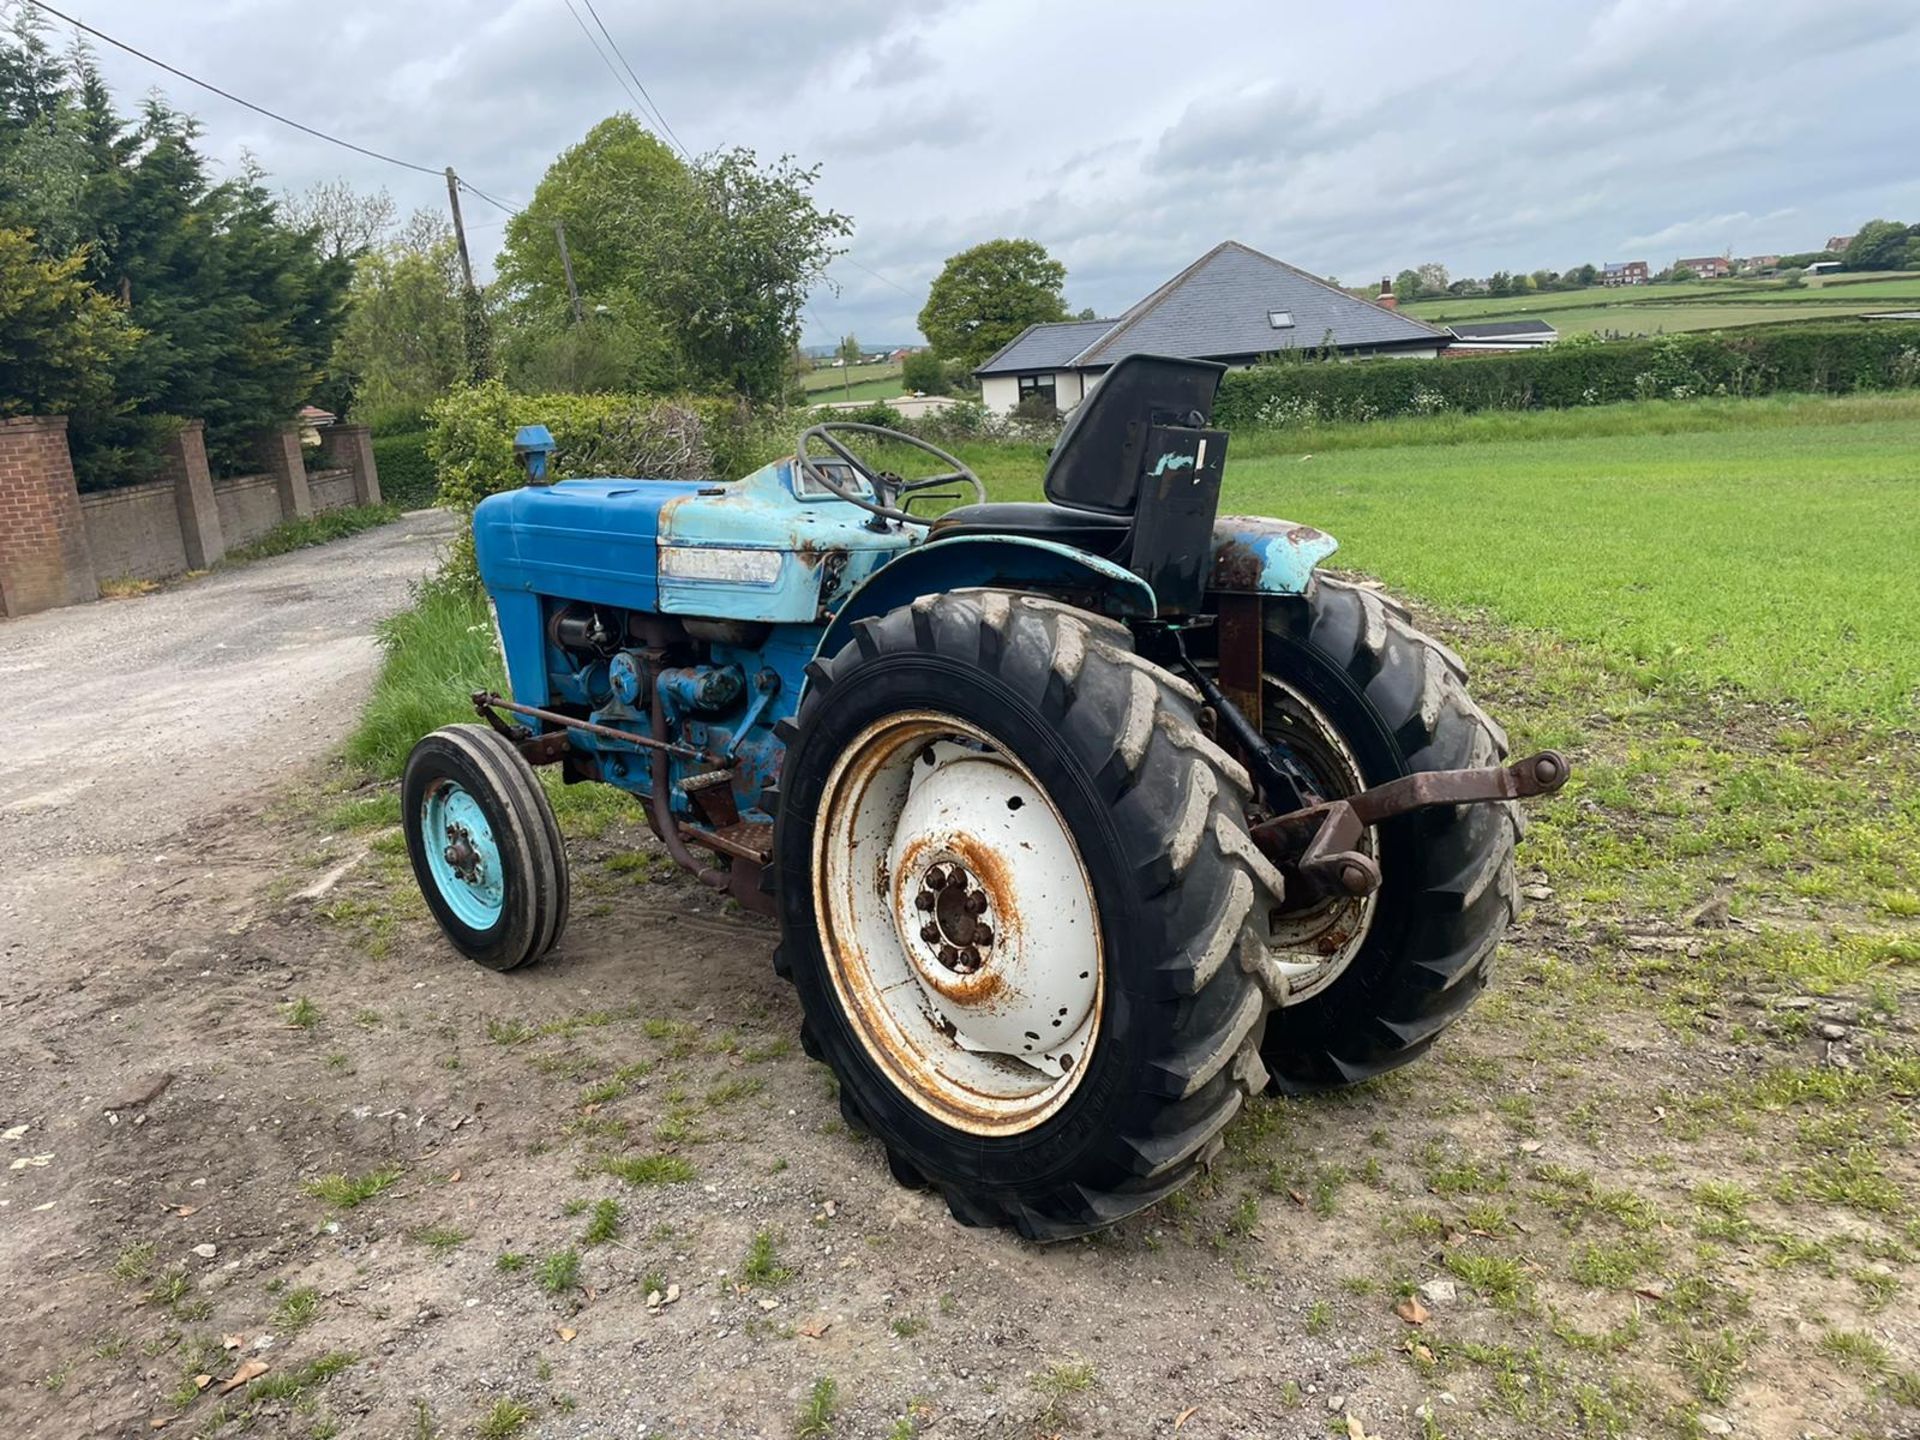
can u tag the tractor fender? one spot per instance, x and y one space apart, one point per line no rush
1253 554
1005 562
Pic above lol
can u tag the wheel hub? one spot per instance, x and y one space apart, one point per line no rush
961 926
463 855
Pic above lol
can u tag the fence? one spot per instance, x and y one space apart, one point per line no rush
56 545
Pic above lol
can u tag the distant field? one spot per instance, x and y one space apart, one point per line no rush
858 376
1698 305
1764 544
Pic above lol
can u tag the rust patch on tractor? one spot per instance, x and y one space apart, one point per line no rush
1237 566
985 934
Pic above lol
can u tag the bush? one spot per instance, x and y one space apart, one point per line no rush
1818 359
924 372
685 437
878 413
406 471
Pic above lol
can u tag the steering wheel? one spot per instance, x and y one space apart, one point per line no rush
888 488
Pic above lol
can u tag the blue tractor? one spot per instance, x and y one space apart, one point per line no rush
1082 820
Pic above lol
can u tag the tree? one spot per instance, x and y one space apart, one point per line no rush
404 340
923 373
60 339
985 296
347 222
1433 278
1407 286
1582 275
705 266
1500 283
849 351
1681 273
1879 245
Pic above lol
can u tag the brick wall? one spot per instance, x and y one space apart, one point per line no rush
44 558
330 489
249 507
134 532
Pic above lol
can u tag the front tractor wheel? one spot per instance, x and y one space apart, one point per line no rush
484 845
1014 879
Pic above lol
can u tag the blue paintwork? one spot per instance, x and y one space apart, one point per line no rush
1172 460
775 549
1270 557
479 897
532 447
1018 562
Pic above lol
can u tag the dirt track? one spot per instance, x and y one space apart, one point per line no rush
651 1063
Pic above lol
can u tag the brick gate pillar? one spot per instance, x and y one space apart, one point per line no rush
350 447
279 456
44 557
186 466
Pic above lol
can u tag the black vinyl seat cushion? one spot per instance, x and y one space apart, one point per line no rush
1087 530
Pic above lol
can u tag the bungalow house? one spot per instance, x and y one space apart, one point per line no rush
1233 305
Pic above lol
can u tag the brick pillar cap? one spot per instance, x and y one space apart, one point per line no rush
186 425
34 422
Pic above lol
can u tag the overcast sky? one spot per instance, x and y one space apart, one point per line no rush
1352 139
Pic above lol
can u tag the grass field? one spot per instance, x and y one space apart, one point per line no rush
858 382
1697 305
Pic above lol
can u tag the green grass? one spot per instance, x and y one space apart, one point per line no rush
505 1420
1771 549
327 526
1833 296
649 1169
343 1192
436 654
815 1418
827 383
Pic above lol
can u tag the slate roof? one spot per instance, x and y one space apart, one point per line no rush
1045 347
1217 308
1500 329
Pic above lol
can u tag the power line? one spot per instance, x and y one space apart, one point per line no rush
619 79
229 95
876 274
477 192
658 113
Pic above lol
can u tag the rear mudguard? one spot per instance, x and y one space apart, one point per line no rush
1251 554
1009 562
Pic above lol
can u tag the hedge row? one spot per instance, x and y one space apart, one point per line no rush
686 437
406 470
1830 358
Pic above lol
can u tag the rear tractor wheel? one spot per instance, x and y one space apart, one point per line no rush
1014 879
485 846
1354 696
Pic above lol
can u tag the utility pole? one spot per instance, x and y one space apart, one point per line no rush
566 264
459 230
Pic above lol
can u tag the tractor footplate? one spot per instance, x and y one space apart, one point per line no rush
1318 843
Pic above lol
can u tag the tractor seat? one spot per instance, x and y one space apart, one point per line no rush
1088 530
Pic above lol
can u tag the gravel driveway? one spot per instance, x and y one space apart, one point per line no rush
128 719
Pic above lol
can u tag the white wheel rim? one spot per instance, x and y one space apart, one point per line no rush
1322 938
958 923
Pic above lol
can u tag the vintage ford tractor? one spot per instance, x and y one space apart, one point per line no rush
1082 820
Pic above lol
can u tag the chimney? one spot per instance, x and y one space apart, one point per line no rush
1386 297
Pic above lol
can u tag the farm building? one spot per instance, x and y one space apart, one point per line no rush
1485 337
1233 304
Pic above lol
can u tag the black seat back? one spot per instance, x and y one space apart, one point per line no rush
1098 461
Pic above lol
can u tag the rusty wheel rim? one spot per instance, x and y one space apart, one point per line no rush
1327 933
958 922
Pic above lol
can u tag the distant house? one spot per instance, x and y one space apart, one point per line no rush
1837 243
1233 304
1706 267
1754 264
1486 337
1822 267
1624 272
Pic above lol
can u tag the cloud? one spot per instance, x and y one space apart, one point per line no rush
1346 140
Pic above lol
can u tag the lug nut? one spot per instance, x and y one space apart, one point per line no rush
924 900
936 879
930 932
969 960
982 936
949 956
976 902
